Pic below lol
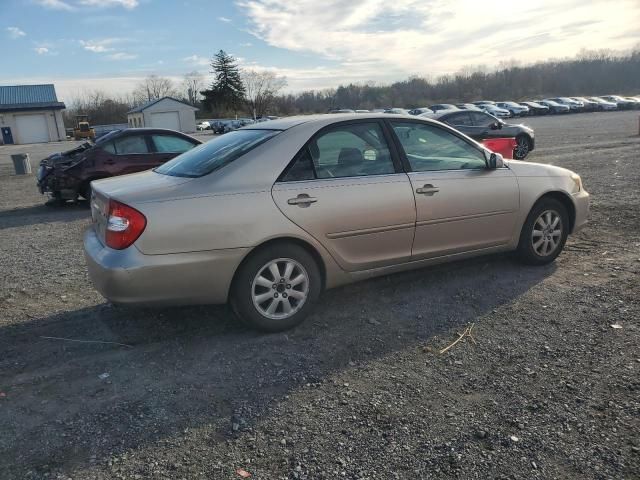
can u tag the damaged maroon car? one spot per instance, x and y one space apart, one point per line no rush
68 175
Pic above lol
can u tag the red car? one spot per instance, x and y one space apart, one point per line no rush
67 175
503 146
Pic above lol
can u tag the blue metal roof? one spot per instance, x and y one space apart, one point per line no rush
19 94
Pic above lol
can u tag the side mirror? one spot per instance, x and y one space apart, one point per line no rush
495 161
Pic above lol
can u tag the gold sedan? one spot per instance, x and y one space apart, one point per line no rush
269 215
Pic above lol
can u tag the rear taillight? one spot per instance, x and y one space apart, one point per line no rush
124 225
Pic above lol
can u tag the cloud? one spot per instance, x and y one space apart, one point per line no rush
224 19
379 40
69 6
197 60
100 46
41 50
128 4
246 44
55 4
122 56
15 32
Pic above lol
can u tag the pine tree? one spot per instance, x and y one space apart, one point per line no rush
227 91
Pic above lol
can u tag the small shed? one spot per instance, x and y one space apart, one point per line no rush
30 114
165 112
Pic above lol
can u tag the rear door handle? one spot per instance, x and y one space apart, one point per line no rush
427 189
302 200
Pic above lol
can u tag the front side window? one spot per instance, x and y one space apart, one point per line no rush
483 119
430 148
131 144
109 147
216 153
460 119
171 144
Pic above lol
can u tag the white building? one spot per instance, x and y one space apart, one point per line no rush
30 114
165 112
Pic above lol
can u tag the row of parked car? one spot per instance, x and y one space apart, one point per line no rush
508 109
228 125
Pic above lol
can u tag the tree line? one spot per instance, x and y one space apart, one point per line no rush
249 93
233 92
590 73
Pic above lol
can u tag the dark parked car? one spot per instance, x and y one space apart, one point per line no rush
589 105
67 175
536 108
574 105
481 125
514 108
554 107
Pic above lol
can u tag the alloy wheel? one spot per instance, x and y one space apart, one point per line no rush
280 288
547 233
522 148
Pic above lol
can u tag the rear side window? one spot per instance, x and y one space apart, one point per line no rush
171 144
216 153
351 150
131 145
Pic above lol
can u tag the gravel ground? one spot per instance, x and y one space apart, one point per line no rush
546 388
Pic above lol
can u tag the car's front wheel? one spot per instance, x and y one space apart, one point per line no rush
275 288
544 233
523 146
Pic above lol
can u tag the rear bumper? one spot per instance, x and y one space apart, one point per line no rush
130 277
581 202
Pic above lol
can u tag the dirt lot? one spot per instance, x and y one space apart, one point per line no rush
548 390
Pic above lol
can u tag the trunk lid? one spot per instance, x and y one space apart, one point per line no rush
131 190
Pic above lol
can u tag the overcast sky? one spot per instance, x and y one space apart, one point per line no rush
112 44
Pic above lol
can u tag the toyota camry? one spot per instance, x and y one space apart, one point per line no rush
267 216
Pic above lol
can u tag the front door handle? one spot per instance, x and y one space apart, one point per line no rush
302 200
427 189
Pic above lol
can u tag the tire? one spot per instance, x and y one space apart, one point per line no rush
530 250
523 147
251 283
56 200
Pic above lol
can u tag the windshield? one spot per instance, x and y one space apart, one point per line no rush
216 153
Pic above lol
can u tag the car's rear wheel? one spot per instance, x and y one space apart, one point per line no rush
544 233
275 288
523 146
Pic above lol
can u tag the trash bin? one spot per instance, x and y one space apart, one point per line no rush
21 163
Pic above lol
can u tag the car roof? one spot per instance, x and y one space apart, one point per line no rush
442 113
321 119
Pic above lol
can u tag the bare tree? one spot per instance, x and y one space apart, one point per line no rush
261 89
192 83
152 88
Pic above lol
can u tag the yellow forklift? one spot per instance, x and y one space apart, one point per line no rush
83 129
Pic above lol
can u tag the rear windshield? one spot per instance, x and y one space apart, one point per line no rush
215 153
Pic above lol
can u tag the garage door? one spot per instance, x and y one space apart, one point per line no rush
32 128
169 120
